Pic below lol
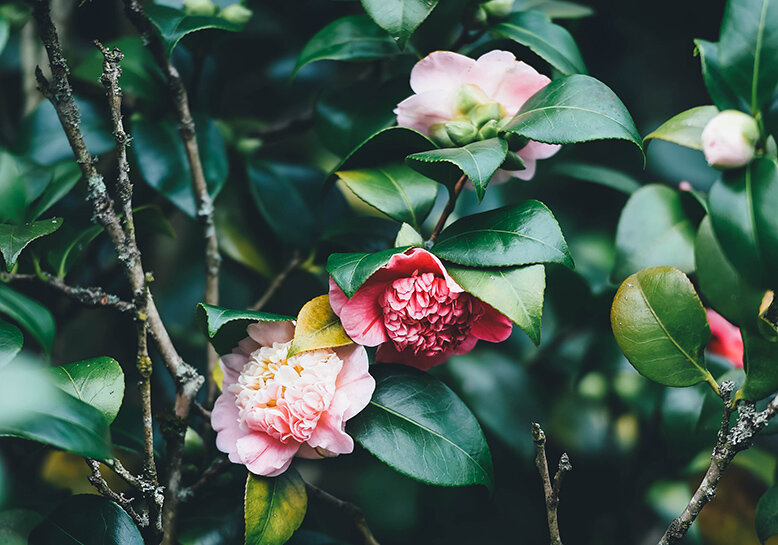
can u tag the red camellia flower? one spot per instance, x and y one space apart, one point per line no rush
725 339
416 312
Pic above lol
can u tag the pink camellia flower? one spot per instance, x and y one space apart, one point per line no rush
273 408
415 311
459 100
725 339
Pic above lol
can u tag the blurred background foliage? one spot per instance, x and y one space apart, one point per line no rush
268 142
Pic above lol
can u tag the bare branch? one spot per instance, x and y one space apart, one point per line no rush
452 201
217 467
550 489
277 282
354 512
97 480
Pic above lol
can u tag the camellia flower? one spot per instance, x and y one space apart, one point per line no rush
273 407
725 338
416 312
729 139
459 100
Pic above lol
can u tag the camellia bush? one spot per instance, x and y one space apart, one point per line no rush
388 271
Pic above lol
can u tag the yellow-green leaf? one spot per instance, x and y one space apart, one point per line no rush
318 327
274 507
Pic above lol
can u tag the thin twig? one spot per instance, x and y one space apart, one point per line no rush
354 512
128 477
217 467
277 282
90 296
452 201
97 480
550 489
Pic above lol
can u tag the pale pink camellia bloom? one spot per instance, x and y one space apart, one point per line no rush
439 79
416 313
729 139
273 407
725 338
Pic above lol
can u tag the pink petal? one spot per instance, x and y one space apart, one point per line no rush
267 333
525 174
421 111
330 435
492 326
490 70
518 86
538 150
416 259
388 353
224 419
337 297
247 346
308 452
726 339
354 382
439 70
361 316
232 365
264 455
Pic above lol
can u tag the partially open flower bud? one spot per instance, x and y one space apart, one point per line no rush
729 139
470 96
439 135
461 132
199 7
498 8
486 112
237 13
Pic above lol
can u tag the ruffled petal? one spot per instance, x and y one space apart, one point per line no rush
267 333
518 86
331 436
416 259
224 419
492 326
490 70
439 70
361 316
355 385
388 353
263 455
421 111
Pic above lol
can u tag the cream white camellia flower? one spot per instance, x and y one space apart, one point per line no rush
729 139
459 100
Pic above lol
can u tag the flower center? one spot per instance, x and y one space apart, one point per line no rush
423 315
285 397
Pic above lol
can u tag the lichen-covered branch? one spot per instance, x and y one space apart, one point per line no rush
551 488
354 512
97 480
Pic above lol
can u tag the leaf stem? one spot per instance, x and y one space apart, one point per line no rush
452 201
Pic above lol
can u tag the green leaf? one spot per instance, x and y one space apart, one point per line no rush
30 315
317 327
14 238
274 507
418 426
162 160
478 161
748 49
51 416
5 32
67 247
657 227
742 210
719 89
766 516
350 271
598 174
574 109
225 327
87 519
759 359
517 292
720 283
351 38
11 341
395 189
13 193
173 24
685 129
514 235
661 326
61 179
556 9
399 17
408 236
99 382
550 42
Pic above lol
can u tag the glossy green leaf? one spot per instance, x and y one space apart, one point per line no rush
162 160
572 109
399 17
173 24
556 9
685 129
660 325
13 193
408 236
14 238
225 327
657 227
766 516
478 161
759 360
395 189
87 519
418 426
350 271
726 290
30 315
549 41
317 327
98 382
351 38
62 178
517 292
5 32
51 416
235 241
11 341
514 235
274 507
598 174
742 210
748 49
67 248
720 90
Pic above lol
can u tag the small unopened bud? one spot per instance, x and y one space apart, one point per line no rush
490 129
199 7
482 113
439 135
469 96
729 139
498 8
461 132
236 13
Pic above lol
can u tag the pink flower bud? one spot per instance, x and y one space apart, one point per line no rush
728 140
